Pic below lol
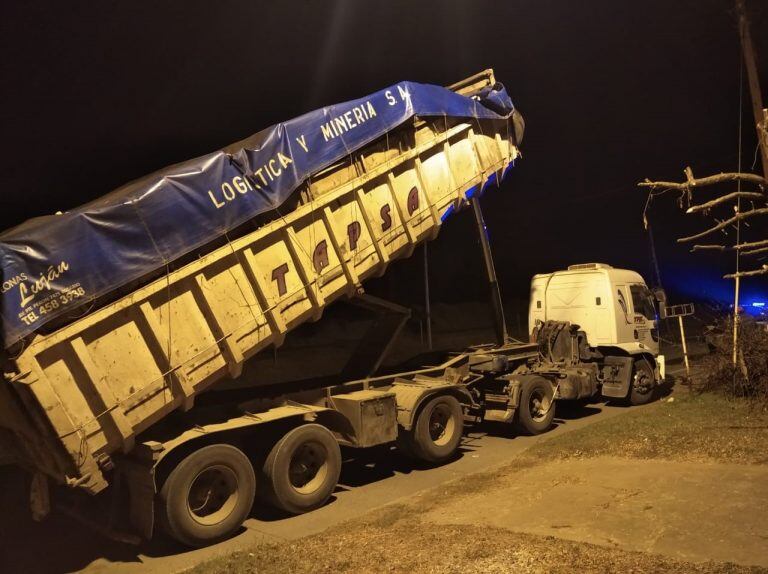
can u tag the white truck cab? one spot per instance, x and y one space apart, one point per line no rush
614 307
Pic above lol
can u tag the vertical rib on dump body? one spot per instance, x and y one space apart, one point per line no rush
90 387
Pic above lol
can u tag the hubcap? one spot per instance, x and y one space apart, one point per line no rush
212 495
538 405
308 467
642 382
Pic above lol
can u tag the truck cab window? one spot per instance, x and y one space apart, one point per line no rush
622 302
642 301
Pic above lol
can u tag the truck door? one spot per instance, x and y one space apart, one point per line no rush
644 315
625 325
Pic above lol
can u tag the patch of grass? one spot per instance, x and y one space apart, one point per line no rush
413 547
704 427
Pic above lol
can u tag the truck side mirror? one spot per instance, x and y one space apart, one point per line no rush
661 296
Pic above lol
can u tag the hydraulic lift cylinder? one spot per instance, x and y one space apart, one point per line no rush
498 310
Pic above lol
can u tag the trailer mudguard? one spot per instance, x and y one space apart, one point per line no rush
411 394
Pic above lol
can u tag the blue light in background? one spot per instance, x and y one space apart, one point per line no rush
707 284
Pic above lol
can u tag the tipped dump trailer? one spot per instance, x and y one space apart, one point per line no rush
119 314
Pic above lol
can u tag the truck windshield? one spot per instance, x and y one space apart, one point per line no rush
642 301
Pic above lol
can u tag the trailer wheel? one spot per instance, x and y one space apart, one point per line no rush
208 496
641 391
537 406
302 469
437 432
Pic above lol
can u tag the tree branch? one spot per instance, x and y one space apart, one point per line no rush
724 198
726 223
739 247
709 180
755 251
751 245
762 271
709 248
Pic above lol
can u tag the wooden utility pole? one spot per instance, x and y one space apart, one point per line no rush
750 63
761 125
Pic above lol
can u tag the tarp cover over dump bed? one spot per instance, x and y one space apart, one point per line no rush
55 263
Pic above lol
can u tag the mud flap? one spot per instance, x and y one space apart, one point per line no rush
140 480
617 376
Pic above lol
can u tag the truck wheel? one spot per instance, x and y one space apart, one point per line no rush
302 469
208 495
641 391
537 406
437 432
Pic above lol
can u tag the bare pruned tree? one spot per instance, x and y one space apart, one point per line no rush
756 198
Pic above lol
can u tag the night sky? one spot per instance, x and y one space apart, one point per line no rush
98 93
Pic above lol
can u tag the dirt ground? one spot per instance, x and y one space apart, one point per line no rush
411 547
678 486
683 510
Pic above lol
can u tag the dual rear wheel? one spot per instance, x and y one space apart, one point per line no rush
208 496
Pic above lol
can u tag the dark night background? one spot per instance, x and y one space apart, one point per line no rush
99 93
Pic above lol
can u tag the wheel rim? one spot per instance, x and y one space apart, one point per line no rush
642 382
308 468
213 495
441 424
538 405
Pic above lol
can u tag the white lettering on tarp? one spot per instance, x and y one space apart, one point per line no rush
27 292
347 121
269 168
302 140
51 302
13 282
392 100
263 176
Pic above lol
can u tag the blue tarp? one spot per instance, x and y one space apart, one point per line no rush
53 264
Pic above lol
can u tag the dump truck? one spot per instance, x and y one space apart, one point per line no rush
123 316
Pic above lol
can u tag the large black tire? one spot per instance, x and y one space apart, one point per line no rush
208 496
537 406
643 383
302 469
436 434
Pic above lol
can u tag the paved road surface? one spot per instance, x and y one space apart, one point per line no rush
62 545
